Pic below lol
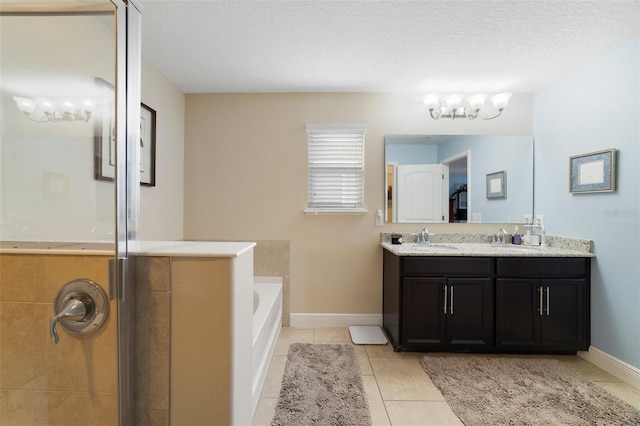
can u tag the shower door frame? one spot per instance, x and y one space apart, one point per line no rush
127 16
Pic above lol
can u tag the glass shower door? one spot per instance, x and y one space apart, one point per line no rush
63 214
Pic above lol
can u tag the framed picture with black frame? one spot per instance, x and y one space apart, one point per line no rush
147 146
105 141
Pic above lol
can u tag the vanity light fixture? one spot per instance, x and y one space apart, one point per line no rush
471 106
43 110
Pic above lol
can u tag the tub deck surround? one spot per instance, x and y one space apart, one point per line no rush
141 248
267 322
479 245
192 248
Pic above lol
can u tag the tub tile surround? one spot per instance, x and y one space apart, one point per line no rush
41 383
271 258
193 342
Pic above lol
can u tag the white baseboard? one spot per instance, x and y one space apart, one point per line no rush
612 365
333 320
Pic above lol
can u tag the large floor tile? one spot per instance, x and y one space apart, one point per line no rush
377 409
386 351
324 335
265 411
292 335
273 380
624 391
421 413
404 380
586 369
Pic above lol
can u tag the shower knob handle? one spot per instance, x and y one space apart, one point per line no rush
75 310
81 307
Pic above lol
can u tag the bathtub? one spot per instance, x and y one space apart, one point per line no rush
267 322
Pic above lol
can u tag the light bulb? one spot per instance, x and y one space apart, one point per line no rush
477 101
501 100
25 105
432 101
453 102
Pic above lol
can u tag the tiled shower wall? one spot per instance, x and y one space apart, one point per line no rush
153 297
42 384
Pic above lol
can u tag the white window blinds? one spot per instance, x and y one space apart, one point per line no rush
336 169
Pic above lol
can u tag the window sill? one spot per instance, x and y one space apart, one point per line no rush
316 212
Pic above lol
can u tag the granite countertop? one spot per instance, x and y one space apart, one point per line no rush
476 249
480 245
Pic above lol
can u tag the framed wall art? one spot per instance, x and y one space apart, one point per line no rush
593 172
147 146
104 145
105 141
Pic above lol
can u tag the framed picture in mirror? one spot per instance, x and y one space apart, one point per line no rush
497 184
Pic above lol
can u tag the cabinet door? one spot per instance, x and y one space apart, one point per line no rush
422 312
563 316
517 314
469 316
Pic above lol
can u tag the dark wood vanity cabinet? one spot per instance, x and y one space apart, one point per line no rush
542 304
486 304
438 303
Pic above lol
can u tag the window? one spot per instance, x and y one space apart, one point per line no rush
336 169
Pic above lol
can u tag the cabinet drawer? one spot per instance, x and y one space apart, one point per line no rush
542 267
447 266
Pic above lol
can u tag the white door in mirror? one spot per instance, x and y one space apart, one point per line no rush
420 193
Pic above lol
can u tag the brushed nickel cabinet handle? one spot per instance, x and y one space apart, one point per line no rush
540 308
451 302
444 307
547 301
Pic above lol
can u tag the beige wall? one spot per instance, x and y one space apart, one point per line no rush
161 207
246 176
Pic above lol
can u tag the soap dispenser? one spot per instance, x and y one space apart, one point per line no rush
517 238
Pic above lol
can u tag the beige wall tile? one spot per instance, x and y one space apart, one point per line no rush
17 345
20 277
158 394
79 408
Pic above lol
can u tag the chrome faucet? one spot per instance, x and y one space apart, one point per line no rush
423 237
500 237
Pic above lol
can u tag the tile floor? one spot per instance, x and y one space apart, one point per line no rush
399 392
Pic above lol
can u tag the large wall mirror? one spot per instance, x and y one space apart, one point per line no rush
458 178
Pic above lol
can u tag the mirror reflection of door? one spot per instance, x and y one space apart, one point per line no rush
389 181
420 189
457 190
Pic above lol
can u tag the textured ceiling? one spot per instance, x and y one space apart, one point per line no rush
379 46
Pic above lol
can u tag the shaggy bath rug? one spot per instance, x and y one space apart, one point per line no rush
321 386
522 390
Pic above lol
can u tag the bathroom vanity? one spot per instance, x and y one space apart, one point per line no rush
480 298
